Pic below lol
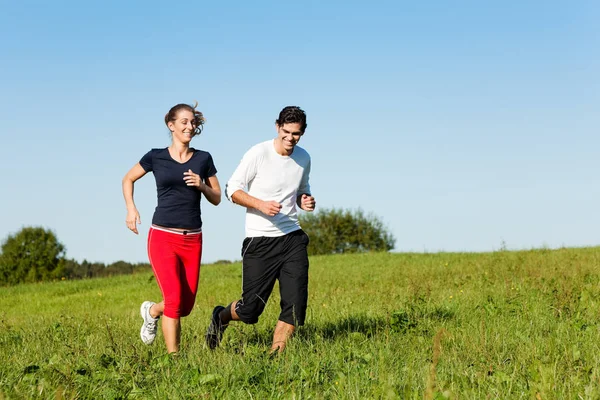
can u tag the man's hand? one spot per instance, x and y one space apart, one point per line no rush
307 203
270 208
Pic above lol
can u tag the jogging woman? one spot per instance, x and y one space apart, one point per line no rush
183 175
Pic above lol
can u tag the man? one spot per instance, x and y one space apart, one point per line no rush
270 181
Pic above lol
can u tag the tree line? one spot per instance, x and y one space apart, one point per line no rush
34 254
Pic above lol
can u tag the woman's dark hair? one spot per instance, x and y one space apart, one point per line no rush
292 115
198 117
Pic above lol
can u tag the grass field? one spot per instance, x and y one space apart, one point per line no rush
502 325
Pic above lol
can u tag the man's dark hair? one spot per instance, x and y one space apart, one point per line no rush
292 115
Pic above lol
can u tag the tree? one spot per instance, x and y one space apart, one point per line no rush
333 231
33 254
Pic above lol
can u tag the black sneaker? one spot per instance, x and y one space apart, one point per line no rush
215 330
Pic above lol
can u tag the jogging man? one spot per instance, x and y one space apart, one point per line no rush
271 181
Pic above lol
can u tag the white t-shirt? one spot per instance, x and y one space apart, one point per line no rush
267 175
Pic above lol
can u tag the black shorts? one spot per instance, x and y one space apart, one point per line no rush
266 259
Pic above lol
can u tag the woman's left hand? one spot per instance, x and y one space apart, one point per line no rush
192 179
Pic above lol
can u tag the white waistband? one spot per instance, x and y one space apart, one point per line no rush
184 232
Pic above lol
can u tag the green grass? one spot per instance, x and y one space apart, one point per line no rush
504 325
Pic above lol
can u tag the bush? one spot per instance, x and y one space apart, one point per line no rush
33 254
333 231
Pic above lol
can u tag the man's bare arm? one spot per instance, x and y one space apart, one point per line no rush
269 208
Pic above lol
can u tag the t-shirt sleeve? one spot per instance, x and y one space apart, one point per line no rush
243 175
146 161
211 170
304 183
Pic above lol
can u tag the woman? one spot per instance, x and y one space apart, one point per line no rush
183 174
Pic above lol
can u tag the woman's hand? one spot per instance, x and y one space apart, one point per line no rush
133 219
192 179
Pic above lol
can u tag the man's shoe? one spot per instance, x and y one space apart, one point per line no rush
215 330
149 327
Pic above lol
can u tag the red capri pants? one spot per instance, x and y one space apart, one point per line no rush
175 259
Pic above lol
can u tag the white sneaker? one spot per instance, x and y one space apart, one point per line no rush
149 327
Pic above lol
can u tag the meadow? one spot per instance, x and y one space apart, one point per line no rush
499 325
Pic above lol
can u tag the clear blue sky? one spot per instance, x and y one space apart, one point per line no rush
463 125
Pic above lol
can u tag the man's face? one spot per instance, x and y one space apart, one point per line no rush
289 134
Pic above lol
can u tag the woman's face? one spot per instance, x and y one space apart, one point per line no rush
183 127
